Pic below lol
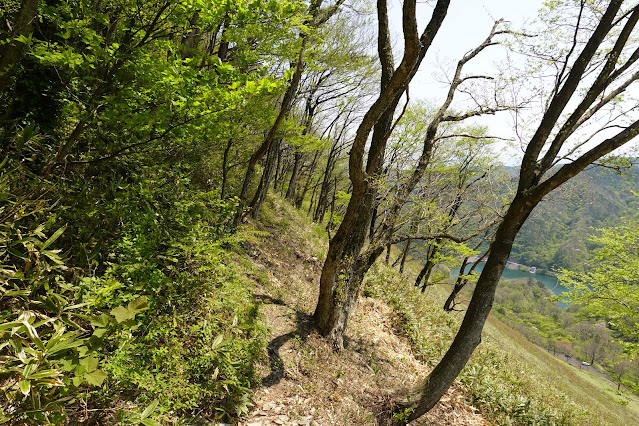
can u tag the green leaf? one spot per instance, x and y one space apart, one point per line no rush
33 335
121 314
17 254
150 422
53 237
148 410
11 324
101 321
91 363
217 342
44 374
95 378
25 386
100 332
138 305
66 344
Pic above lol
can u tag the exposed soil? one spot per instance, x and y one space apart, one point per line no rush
304 381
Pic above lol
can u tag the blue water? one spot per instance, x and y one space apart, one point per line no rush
549 281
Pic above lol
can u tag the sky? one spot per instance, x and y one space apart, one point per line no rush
467 24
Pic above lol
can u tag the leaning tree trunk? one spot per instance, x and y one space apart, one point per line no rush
287 103
424 274
402 261
462 280
337 298
469 334
340 279
292 185
322 201
225 168
299 200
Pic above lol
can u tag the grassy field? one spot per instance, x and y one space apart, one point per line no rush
587 389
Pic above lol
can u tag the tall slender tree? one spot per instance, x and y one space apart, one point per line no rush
336 299
597 67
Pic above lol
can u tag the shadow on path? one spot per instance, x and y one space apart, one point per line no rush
304 326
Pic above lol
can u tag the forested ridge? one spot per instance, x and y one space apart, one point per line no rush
158 158
558 231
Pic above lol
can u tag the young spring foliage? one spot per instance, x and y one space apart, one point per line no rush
609 289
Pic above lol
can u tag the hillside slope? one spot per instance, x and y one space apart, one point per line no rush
395 336
556 234
304 381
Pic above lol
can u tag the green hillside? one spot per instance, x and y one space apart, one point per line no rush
557 232
200 201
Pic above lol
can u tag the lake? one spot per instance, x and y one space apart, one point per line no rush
549 281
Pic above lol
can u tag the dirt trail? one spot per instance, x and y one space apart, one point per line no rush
304 381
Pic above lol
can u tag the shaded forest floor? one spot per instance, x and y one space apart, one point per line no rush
303 380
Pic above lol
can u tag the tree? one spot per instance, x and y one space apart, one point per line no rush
317 17
336 299
11 48
608 289
589 76
346 264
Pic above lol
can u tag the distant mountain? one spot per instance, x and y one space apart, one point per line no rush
556 234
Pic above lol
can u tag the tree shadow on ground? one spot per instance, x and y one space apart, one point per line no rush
304 323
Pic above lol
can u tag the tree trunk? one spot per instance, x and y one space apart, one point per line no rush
338 290
225 168
11 52
461 282
279 171
287 103
322 201
192 37
424 274
469 335
285 108
267 175
341 276
300 198
404 256
292 185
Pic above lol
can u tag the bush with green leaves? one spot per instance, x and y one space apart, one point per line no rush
50 335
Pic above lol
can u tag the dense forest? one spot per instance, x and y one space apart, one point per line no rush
557 235
140 143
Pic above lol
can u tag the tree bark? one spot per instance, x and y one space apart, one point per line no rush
533 186
469 335
402 262
344 267
292 184
265 182
11 52
285 108
461 282
299 199
225 168
318 17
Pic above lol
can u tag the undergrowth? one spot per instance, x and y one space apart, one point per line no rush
128 310
500 386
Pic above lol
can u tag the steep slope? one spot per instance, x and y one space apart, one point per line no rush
304 381
395 337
